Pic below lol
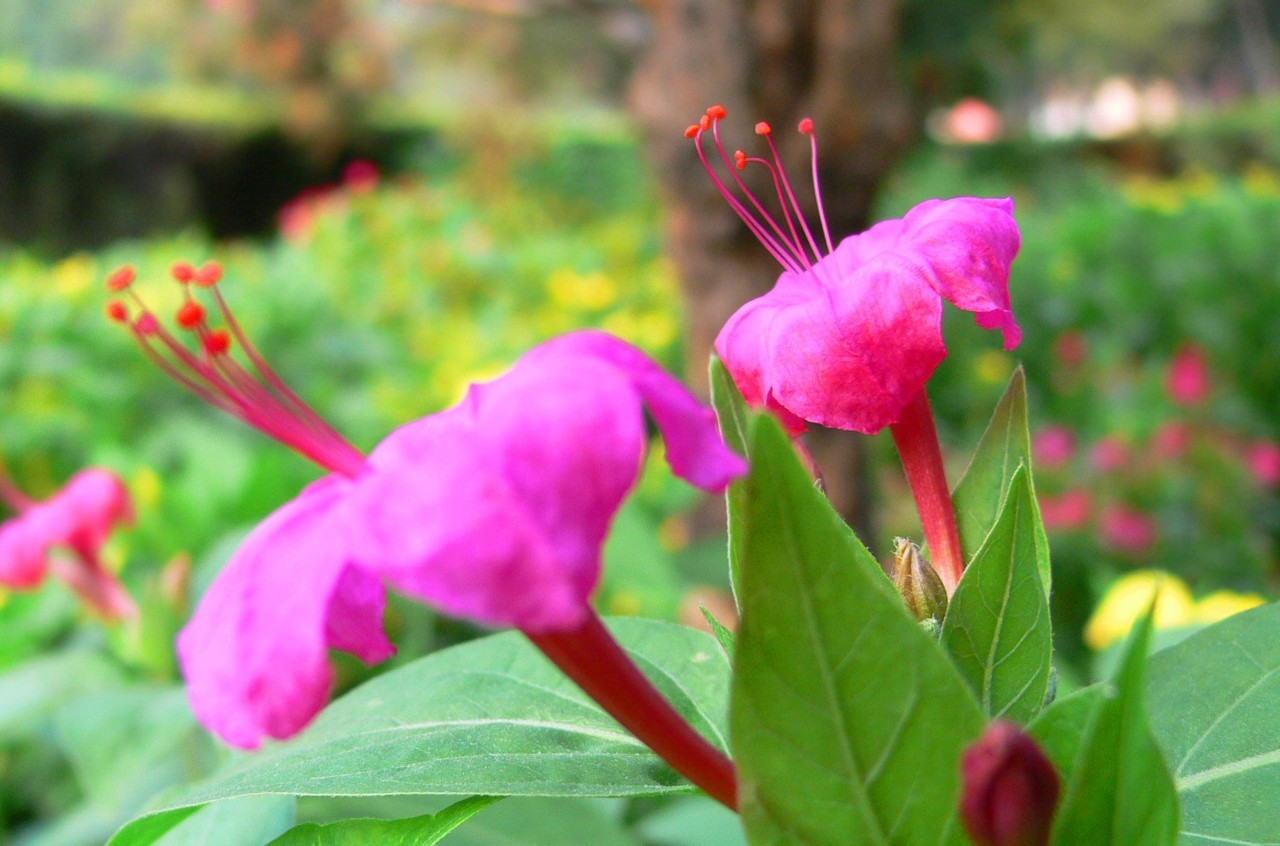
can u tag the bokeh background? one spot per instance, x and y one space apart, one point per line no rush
406 195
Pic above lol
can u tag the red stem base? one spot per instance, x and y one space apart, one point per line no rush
594 660
917 441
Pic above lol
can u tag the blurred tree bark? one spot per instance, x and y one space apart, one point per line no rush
834 61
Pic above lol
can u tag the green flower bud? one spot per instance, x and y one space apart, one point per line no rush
921 589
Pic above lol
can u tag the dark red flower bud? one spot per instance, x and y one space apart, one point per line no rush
1010 789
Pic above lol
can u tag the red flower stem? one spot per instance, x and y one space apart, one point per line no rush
917 442
594 660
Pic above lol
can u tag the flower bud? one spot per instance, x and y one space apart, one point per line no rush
916 580
1010 789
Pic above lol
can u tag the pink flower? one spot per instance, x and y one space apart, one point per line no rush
1053 446
1263 460
850 334
495 510
1170 441
1127 529
1071 349
1187 381
1109 454
360 176
1010 789
79 518
1067 511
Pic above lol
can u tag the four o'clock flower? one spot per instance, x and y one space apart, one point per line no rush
77 519
851 332
495 510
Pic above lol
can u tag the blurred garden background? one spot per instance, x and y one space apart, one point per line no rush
406 195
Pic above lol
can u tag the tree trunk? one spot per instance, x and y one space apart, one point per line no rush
775 60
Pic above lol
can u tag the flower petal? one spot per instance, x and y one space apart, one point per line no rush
436 518
968 243
24 551
695 450
255 653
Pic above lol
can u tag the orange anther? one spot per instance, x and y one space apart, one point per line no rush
740 159
217 342
704 123
806 127
763 128
190 315
691 131
716 112
116 311
183 271
208 274
121 278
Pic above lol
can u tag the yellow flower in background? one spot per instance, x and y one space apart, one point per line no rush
585 291
145 485
1225 603
993 367
75 275
1261 181
1130 597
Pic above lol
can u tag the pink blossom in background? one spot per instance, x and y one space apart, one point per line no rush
1052 447
1067 511
1109 454
495 510
1263 461
360 176
1171 441
1126 529
1187 380
850 333
1071 349
78 519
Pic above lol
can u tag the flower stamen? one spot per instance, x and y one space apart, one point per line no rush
258 396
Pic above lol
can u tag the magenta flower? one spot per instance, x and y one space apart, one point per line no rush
78 519
849 335
1067 511
1263 460
1053 446
1127 530
495 510
1187 380
1110 454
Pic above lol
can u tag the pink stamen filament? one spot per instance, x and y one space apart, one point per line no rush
791 195
782 202
817 190
16 499
757 228
220 381
792 245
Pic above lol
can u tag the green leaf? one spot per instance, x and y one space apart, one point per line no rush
127 744
425 830
997 627
33 690
545 822
1120 792
982 490
1214 700
720 630
848 720
1061 727
243 821
491 717
735 418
